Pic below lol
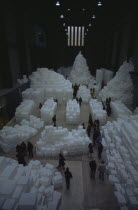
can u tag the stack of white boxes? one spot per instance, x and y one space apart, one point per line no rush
33 122
11 136
72 112
119 110
84 93
48 110
120 138
25 109
56 139
59 88
97 111
37 95
31 187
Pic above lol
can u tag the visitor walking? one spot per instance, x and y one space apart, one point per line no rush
80 101
61 161
54 120
93 167
83 125
68 176
101 169
100 150
90 147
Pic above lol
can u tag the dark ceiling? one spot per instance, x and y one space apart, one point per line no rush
46 11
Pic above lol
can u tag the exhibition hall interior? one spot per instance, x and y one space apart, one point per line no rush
69 105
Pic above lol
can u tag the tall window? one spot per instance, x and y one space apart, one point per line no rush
76 36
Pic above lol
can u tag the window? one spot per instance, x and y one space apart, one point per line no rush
76 36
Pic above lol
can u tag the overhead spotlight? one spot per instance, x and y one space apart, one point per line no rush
64 24
99 4
90 24
93 16
57 3
61 16
87 29
83 9
69 9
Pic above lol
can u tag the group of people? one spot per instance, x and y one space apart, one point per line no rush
23 150
101 169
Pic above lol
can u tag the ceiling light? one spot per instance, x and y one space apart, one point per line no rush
99 4
87 29
69 9
90 24
83 9
64 24
57 3
93 16
61 16
65 29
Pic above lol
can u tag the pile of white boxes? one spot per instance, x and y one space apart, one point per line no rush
119 110
121 141
37 95
84 93
72 112
25 109
56 139
48 110
97 111
120 87
54 84
31 187
11 136
80 73
33 122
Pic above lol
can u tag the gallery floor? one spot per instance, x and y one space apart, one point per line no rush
84 193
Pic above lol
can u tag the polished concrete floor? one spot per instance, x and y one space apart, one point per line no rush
84 193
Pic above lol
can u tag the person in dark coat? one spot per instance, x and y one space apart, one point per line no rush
89 130
54 120
108 110
20 158
40 105
90 147
30 149
100 150
93 167
68 176
80 101
61 161
83 125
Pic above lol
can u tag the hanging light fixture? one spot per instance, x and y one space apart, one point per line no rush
90 24
83 9
93 16
99 4
64 24
61 16
57 3
69 9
